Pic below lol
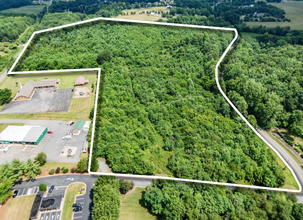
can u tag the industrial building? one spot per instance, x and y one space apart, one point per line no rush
78 127
22 135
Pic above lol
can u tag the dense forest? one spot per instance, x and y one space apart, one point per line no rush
12 27
6 4
170 200
269 81
160 110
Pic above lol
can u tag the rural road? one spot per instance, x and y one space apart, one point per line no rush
288 159
3 75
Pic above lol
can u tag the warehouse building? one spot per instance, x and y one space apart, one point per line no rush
22 135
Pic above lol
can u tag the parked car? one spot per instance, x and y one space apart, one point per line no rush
77 204
68 133
6 148
70 123
51 189
77 209
72 90
70 179
67 137
50 132
15 193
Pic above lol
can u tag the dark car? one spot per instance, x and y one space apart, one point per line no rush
76 205
51 189
72 90
77 209
15 193
72 123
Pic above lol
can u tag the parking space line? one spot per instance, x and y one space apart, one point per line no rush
78 217
80 198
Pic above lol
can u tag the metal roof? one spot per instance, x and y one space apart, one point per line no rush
21 133
33 134
79 124
31 85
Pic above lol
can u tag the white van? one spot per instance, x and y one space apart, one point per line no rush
6 148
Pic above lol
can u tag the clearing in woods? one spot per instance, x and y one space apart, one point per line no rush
145 16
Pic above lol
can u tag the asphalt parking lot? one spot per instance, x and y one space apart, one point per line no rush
43 100
51 144
58 191
54 215
79 215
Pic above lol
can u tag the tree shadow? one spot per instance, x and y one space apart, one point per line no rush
91 196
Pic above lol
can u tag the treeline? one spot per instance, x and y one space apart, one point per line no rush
160 110
290 36
269 82
12 27
170 200
6 4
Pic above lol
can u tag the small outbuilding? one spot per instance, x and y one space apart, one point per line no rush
81 81
86 126
78 127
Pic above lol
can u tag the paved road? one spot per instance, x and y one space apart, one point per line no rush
3 75
288 159
61 183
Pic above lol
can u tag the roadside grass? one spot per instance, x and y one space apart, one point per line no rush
293 10
4 125
143 17
19 208
132 207
286 149
72 190
53 165
79 107
28 9
290 182
291 137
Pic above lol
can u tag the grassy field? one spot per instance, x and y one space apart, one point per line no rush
69 200
79 107
17 208
28 9
293 10
132 207
4 125
143 17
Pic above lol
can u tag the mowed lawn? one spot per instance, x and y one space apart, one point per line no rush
132 207
293 10
18 208
143 17
79 107
28 9
70 199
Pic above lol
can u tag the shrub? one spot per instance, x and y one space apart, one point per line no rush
73 170
39 171
297 149
6 50
65 170
42 187
62 168
41 158
58 170
52 171
125 186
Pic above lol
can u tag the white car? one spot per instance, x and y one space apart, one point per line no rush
70 179
6 148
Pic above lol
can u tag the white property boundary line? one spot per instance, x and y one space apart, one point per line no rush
217 81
